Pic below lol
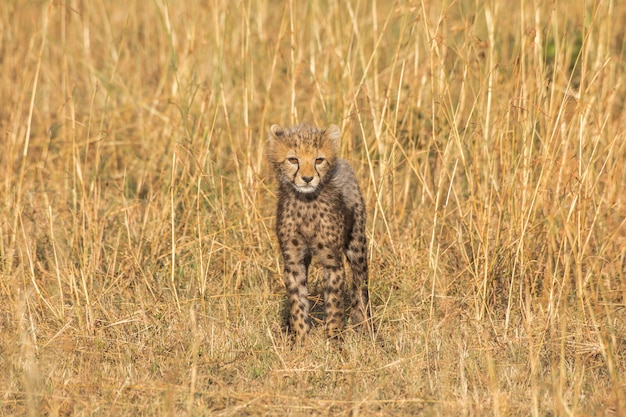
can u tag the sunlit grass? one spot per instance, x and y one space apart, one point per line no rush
139 269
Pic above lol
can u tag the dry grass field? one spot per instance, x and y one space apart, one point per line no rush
139 271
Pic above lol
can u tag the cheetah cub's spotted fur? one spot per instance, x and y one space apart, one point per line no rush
320 212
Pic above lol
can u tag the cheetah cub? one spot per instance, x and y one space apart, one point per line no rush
320 212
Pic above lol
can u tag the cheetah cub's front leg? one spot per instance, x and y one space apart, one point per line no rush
320 213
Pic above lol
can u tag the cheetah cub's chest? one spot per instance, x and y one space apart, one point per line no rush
320 211
313 217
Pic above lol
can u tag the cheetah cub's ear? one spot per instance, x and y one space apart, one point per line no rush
277 131
332 134
276 149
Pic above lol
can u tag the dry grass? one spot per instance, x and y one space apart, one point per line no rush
139 270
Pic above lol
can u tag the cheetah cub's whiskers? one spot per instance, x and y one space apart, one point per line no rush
320 213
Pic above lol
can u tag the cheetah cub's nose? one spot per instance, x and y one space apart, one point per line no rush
307 179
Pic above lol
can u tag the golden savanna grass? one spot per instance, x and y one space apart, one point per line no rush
139 269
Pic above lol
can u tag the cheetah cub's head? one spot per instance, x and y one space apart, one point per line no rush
303 155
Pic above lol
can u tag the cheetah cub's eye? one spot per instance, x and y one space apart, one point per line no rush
293 161
319 161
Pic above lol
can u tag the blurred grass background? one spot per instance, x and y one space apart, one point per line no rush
139 269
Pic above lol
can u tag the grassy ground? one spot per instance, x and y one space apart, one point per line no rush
139 270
